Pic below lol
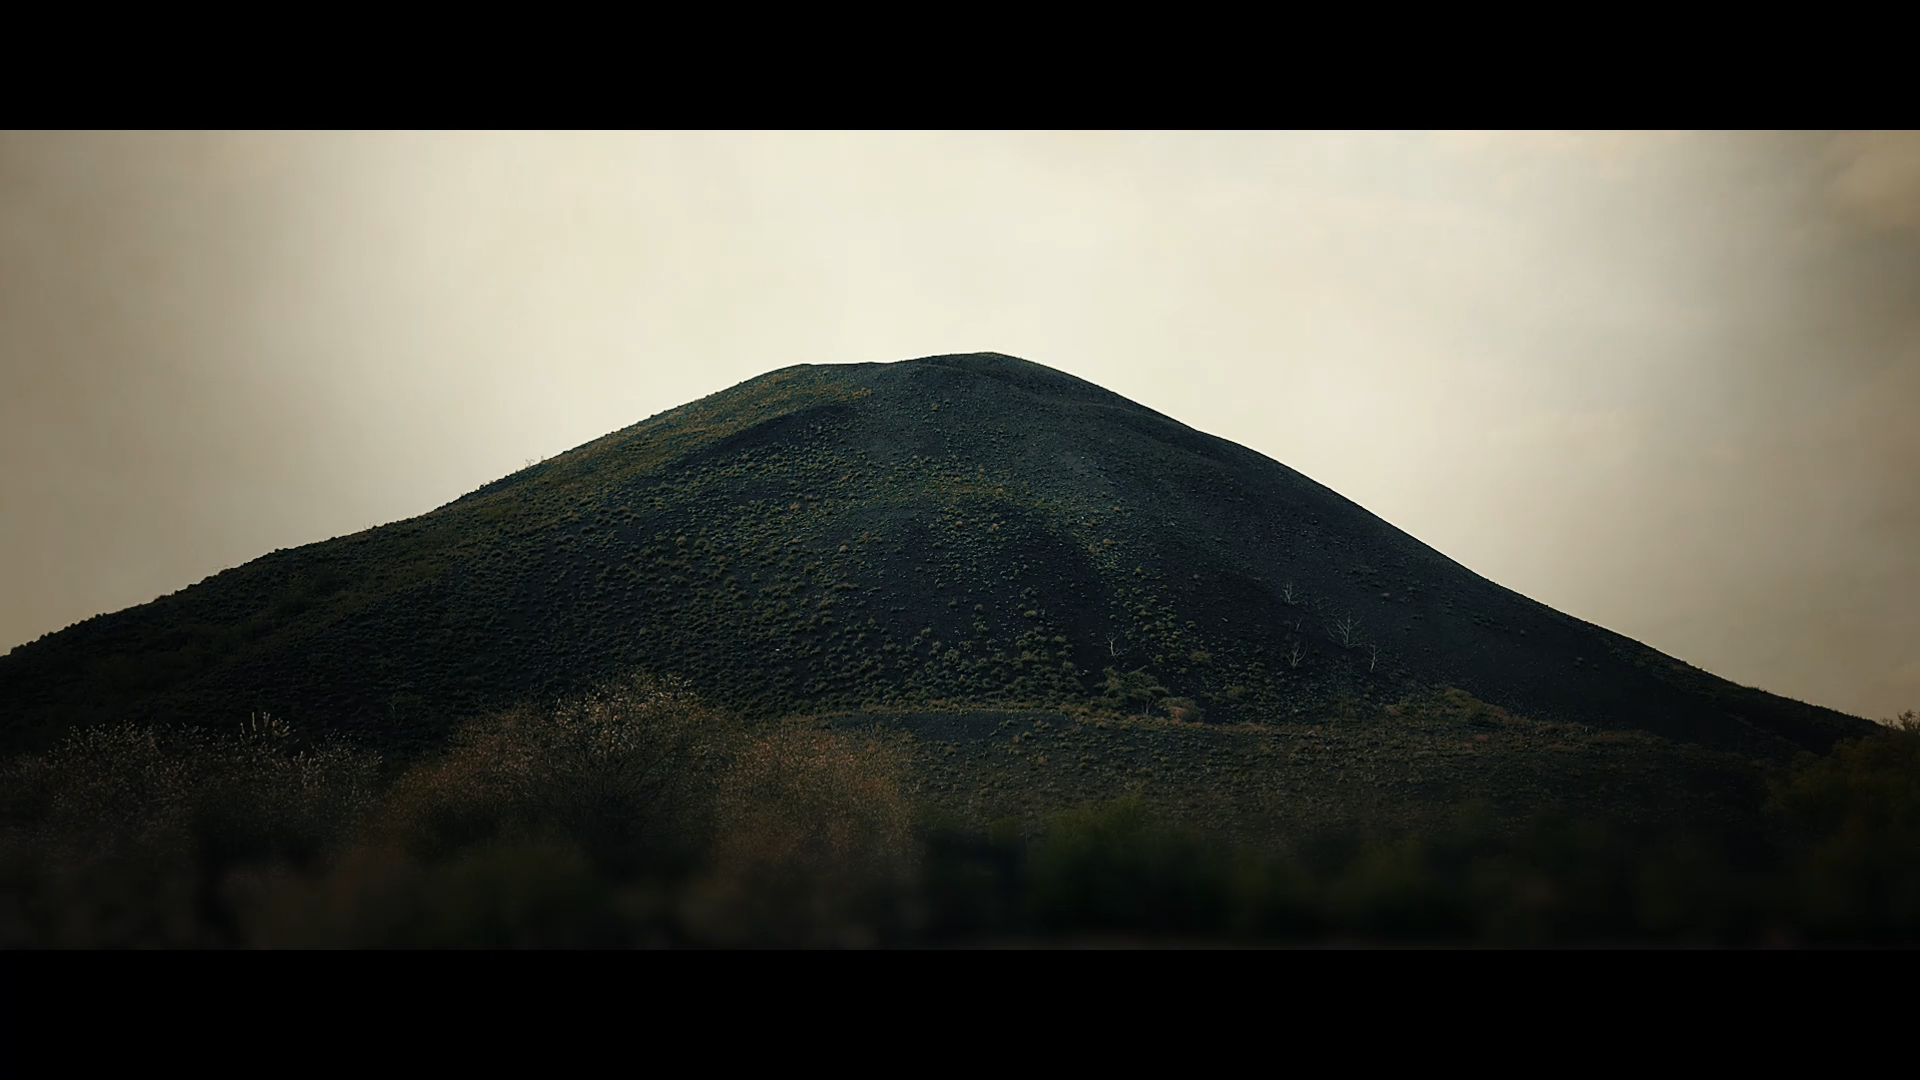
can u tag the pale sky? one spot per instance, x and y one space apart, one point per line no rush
1665 382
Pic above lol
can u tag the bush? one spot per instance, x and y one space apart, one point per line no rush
637 816
627 773
1858 816
121 836
1119 868
814 844
518 894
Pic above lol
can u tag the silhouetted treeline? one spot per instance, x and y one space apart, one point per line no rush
638 817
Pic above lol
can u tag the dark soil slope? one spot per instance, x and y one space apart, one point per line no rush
953 532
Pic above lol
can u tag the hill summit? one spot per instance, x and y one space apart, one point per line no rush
961 532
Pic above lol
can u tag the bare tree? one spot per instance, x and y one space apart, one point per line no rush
1113 649
1346 631
1288 595
1295 654
1373 657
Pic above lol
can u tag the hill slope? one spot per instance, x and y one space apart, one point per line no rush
955 532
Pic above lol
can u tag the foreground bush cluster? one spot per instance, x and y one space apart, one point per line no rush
638 817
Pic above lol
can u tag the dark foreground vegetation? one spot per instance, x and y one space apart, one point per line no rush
637 817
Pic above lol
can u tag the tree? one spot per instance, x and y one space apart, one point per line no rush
1134 687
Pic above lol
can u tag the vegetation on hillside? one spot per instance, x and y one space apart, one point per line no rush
953 532
960 650
639 816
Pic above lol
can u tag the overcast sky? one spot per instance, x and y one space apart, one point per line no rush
1666 382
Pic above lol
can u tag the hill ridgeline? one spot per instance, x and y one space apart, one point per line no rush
951 533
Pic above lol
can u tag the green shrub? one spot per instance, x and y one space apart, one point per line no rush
1120 868
1858 813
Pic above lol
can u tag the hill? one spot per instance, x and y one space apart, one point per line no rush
939 537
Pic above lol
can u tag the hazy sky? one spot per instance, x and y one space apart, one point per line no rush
1666 382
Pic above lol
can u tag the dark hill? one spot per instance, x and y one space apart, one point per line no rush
947 534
